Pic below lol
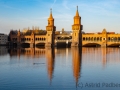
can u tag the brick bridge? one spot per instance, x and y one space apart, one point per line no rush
50 37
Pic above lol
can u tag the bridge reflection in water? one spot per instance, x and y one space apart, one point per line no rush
80 58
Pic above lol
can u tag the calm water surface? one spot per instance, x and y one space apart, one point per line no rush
60 69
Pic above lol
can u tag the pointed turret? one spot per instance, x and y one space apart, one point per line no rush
77 13
51 17
77 18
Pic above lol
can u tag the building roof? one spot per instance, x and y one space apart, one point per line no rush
29 32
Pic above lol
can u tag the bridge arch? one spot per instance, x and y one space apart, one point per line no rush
91 45
40 44
114 45
25 45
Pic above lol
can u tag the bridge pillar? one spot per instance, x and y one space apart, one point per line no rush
48 45
104 38
55 43
31 45
104 45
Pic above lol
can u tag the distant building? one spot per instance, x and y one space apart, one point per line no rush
3 39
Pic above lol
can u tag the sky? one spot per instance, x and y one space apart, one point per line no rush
95 14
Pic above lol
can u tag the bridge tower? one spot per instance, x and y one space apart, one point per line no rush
50 31
32 43
77 27
104 38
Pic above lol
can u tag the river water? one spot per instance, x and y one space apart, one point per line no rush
60 69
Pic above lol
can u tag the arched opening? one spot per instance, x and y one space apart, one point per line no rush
94 38
25 45
91 38
36 39
91 45
14 44
63 44
118 39
108 38
115 39
83 38
40 45
98 39
114 45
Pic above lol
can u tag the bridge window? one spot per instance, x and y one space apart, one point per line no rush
118 38
29 39
98 39
94 38
58 37
36 39
83 38
103 38
44 38
115 38
112 38
108 38
91 38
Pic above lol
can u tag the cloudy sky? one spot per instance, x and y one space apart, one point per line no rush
96 14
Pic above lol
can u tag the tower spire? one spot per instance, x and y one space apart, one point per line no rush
50 10
77 13
51 17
